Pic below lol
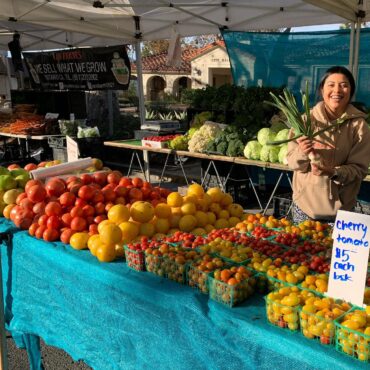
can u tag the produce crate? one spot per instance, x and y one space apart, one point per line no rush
285 317
315 326
282 205
154 264
351 342
57 142
135 259
198 279
231 295
362 207
154 144
175 271
60 154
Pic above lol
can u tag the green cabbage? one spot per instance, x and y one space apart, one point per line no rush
282 135
265 135
269 153
282 154
252 150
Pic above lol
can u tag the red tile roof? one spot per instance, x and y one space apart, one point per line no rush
158 62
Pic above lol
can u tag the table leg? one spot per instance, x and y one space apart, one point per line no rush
253 188
133 156
146 165
182 169
164 169
273 192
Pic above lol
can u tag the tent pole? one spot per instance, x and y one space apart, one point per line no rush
7 65
356 50
139 69
351 45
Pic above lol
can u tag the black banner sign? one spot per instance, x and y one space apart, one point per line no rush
80 69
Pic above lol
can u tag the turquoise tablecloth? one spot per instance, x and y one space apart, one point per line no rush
116 318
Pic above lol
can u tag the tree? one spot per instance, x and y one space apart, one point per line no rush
154 47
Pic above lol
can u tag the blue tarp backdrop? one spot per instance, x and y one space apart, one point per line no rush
289 59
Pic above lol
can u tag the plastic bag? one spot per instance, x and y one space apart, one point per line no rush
88 132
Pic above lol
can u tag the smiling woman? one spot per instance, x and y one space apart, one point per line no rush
321 188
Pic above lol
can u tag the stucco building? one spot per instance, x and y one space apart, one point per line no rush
199 67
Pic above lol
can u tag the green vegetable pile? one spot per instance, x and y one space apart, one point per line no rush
230 142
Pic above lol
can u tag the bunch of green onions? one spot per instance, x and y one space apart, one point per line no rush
302 125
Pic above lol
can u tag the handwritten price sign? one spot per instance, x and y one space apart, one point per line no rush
351 240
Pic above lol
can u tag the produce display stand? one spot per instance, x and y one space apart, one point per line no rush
113 317
136 146
213 159
23 142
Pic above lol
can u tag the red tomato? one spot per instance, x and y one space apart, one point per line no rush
135 194
80 202
86 192
120 200
67 199
26 203
99 208
137 182
55 187
53 222
114 177
98 197
31 183
100 178
36 193
74 187
20 197
78 224
99 219
39 208
121 191
109 195
13 166
86 178
76 211
30 167
50 235
88 210
125 181
39 231
73 178
108 206
66 219
66 235
93 229
43 219
53 208
32 229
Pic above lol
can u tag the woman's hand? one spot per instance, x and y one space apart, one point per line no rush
305 144
322 171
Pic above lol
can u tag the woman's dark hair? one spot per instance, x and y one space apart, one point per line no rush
342 70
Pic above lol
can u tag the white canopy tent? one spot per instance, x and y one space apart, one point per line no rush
154 19
46 24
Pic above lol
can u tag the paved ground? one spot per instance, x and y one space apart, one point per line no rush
53 358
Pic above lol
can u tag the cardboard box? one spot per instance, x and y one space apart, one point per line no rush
154 144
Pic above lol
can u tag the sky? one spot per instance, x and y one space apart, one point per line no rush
325 27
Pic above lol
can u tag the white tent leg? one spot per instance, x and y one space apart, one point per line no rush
351 46
139 69
110 112
7 65
356 50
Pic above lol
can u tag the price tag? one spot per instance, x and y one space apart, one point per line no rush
72 149
51 115
351 243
